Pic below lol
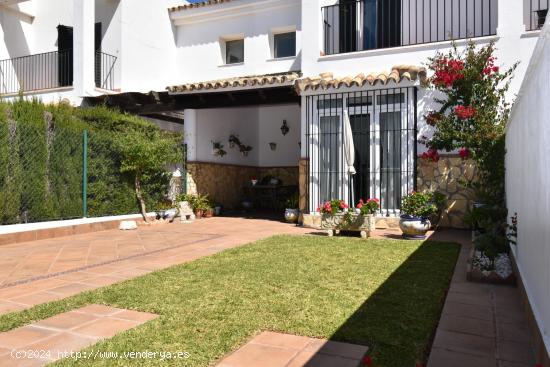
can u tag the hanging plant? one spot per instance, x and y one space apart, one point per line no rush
244 149
217 149
235 142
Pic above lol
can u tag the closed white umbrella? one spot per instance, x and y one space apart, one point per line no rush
349 153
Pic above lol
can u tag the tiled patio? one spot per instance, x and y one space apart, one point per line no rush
45 270
63 335
481 325
270 349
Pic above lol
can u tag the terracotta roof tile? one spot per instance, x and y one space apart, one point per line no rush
197 5
327 80
245 81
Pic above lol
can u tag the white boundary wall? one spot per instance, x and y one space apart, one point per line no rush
528 181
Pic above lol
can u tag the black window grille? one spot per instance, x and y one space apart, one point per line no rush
384 137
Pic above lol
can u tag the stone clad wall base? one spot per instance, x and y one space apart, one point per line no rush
224 183
448 177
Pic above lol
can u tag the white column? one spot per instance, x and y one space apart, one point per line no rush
84 47
190 133
510 18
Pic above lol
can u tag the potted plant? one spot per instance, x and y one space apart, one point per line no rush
217 149
162 207
368 209
416 208
291 211
336 216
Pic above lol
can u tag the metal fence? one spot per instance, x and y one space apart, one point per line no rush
51 70
53 172
36 72
383 124
358 25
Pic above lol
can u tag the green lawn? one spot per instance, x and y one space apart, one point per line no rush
386 294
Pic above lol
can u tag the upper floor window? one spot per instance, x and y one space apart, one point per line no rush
234 51
284 44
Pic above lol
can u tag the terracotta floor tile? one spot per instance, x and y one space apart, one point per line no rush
467 325
136 316
307 359
63 344
99 310
72 288
23 336
102 281
37 298
282 340
67 320
105 327
516 352
470 311
346 350
446 358
516 332
465 343
254 355
8 361
7 307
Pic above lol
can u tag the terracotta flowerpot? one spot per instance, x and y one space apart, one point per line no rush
209 213
198 214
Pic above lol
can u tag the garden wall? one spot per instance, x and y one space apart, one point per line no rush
224 183
448 176
528 190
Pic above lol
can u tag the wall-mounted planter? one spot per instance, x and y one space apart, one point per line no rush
334 223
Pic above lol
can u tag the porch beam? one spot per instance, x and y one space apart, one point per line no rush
21 15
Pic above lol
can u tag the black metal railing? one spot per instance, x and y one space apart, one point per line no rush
105 70
36 72
384 127
535 12
358 25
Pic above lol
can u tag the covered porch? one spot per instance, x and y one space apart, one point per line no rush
243 144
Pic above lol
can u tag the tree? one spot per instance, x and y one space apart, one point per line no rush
146 153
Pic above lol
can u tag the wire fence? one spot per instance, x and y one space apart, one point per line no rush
51 172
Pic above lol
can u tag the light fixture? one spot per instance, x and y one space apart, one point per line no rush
285 129
273 145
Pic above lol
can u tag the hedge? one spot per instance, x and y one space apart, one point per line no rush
41 162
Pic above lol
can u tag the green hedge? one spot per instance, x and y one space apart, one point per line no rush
41 163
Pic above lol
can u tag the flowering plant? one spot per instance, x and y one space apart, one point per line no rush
472 114
420 204
333 207
370 206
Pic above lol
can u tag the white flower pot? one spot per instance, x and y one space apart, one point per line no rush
414 227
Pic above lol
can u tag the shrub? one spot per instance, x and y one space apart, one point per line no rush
420 204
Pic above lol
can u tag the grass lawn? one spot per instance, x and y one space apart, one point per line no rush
386 294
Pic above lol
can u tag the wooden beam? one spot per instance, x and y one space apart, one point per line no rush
27 18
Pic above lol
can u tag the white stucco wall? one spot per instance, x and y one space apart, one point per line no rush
256 126
201 33
528 181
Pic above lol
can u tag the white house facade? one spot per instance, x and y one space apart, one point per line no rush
280 76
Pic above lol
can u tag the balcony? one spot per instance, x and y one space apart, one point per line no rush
51 70
359 25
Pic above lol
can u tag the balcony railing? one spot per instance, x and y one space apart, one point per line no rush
358 25
36 72
535 12
51 70
104 70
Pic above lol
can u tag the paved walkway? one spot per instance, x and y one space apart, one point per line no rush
270 349
481 325
46 270
63 335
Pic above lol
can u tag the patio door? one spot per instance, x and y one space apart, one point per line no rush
383 128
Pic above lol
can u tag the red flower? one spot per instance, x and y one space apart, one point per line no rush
360 205
430 155
367 361
447 72
464 153
465 112
419 364
343 205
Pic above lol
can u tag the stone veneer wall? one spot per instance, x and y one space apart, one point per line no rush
224 182
447 176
